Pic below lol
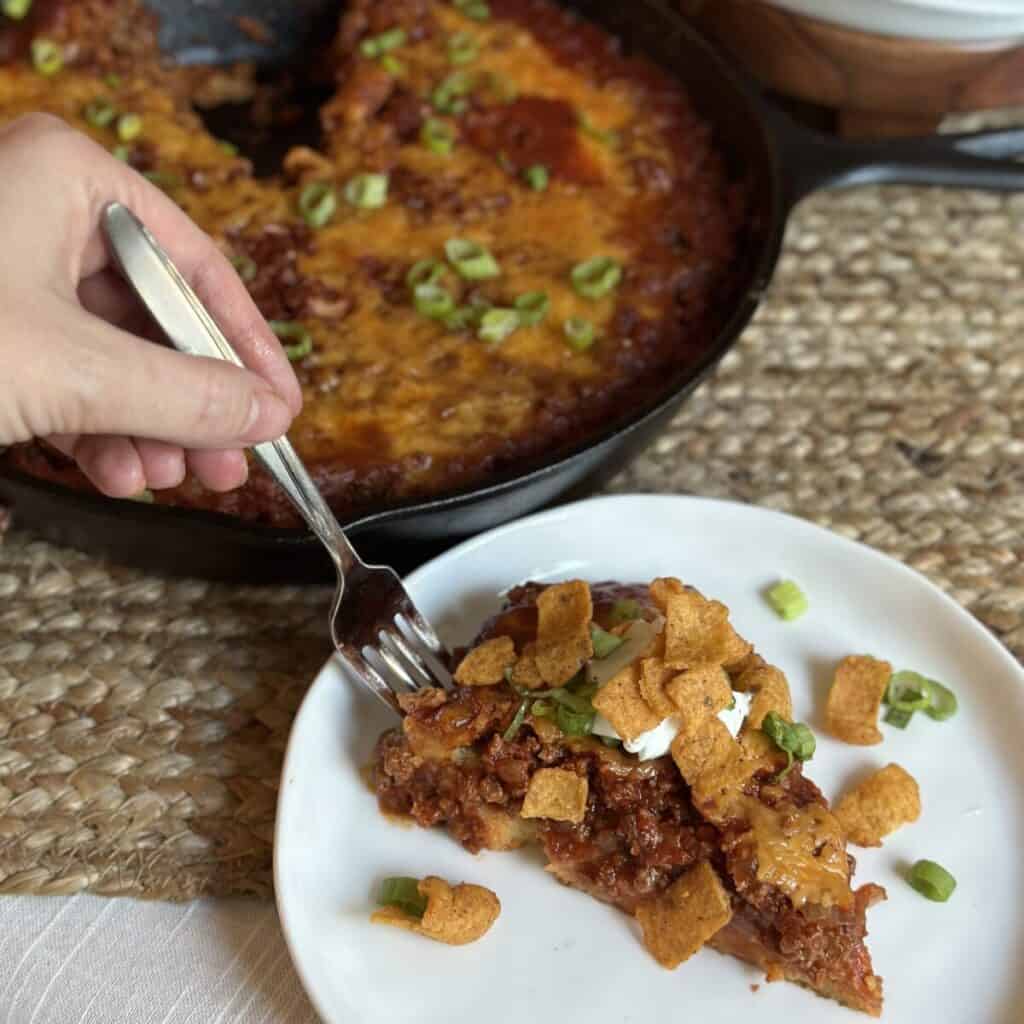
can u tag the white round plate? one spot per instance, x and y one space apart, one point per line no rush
556 955
965 21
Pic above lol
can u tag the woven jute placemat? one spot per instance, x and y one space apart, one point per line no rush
143 720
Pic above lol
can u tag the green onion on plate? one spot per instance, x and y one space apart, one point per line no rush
932 881
788 600
403 893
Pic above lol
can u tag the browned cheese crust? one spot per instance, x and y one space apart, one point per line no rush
399 406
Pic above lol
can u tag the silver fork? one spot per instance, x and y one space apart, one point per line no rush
377 630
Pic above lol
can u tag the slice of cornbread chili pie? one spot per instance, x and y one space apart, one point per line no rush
633 735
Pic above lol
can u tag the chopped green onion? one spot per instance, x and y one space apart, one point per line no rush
449 96
626 610
788 600
517 720
424 272
432 300
604 642
579 333
437 135
606 138
908 691
575 723
129 126
898 717
245 267
317 203
532 307
794 738
542 709
16 9
47 56
944 703
497 324
163 179
537 177
470 259
465 316
462 49
377 46
99 112
112 81
301 341
610 741
478 10
367 191
392 65
596 277
228 147
403 893
932 881
121 153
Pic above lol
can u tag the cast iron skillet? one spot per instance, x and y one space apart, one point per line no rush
782 162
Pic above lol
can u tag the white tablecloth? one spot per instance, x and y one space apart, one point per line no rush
88 960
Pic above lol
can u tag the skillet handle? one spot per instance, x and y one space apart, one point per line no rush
812 161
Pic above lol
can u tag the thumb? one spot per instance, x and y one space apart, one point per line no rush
102 380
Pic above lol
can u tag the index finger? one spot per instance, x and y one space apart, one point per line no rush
196 256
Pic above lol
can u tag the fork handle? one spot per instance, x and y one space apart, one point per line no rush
190 329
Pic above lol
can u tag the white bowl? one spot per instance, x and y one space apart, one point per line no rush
968 21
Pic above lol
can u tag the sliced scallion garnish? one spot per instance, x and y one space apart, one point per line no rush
99 112
47 56
392 65
536 177
532 307
932 881
944 702
377 46
228 147
367 191
517 720
122 153
579 333
449 96
478 10
604 642
788 600
606 138
317 203
626 610
300 341
497 324
403 893
794 738
438 136
462 49
470 259
898 717
245 267
432 300
575 723
129 126
112 81
16 9
596 277
424 272
542 709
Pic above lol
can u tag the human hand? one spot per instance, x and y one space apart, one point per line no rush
73 368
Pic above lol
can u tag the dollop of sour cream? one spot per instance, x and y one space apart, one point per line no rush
656 742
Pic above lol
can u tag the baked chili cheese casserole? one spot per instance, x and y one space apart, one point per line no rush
510 235
720 840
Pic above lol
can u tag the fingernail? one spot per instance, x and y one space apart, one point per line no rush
269 417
